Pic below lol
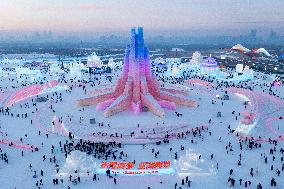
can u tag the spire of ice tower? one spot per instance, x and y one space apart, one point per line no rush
137 48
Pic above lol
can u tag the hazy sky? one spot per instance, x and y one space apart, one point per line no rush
155 15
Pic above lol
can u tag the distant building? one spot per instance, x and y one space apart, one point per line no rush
177 50
273 35
253 33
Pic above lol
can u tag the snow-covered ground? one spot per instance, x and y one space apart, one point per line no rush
189 155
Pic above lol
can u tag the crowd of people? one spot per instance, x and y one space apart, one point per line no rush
109 151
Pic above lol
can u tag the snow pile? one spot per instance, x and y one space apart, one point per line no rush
240 48
263 51
78 162
191 164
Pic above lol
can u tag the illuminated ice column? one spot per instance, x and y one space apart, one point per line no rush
135 73
125 69
136 59
120 85
152 82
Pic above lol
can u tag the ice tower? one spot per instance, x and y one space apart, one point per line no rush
136 87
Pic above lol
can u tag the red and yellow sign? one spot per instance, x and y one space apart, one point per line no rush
129 165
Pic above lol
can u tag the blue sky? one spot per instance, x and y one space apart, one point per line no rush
155 15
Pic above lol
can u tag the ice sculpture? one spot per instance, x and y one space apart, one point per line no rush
196 58
136 87
94 61
78 162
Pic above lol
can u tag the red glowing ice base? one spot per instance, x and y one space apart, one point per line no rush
29 91
136 87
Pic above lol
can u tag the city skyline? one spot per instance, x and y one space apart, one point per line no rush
188 17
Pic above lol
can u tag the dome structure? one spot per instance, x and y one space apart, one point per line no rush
209 62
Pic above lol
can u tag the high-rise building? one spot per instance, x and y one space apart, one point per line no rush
49 35
273 35
253 33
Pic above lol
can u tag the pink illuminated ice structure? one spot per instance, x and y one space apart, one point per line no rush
276 83
248 118
137 87
29 91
